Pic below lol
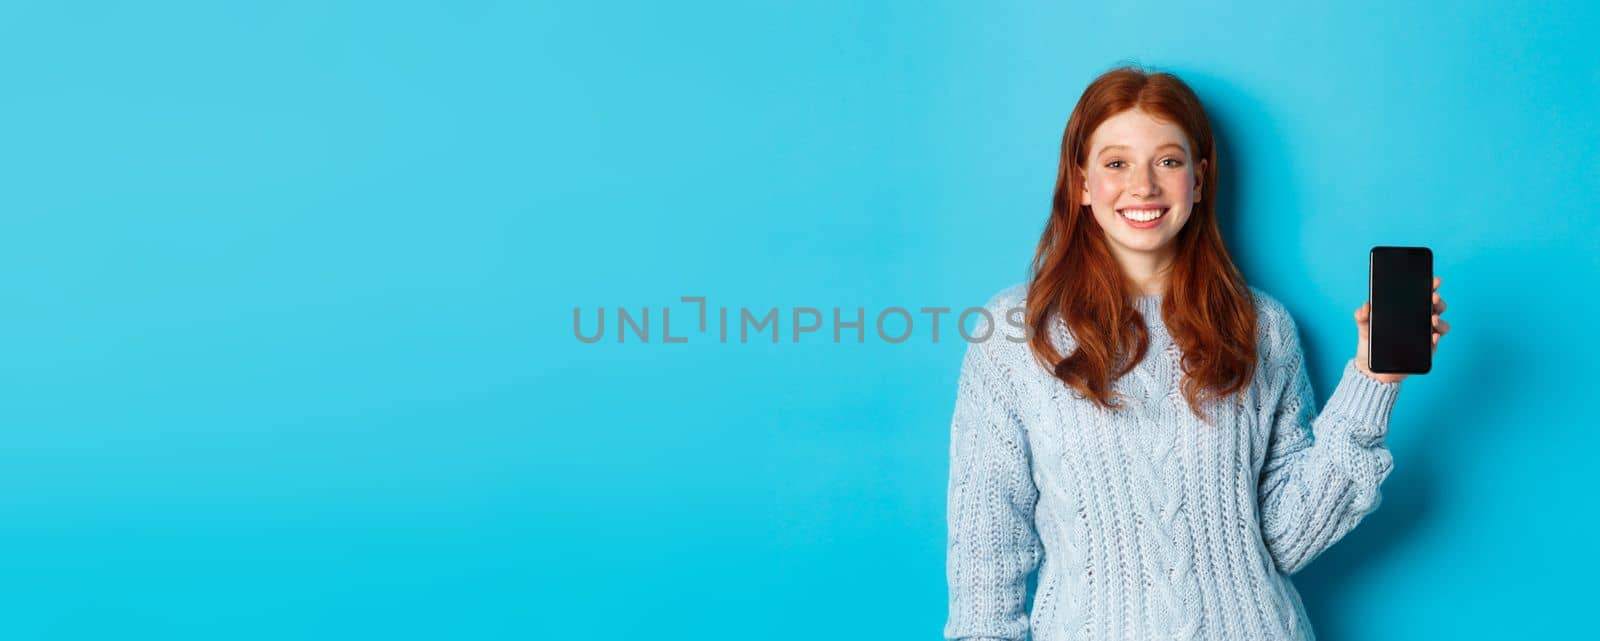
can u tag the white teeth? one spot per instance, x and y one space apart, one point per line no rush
1142 215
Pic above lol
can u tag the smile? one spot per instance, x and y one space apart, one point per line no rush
1143 218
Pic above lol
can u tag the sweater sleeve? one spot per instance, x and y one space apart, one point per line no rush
993 543
1322 471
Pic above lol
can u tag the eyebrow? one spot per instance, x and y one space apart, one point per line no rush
1107 148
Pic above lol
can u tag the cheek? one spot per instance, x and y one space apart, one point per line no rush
1104 189
1180 183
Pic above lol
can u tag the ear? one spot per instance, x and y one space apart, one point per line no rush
1199 179
1083 192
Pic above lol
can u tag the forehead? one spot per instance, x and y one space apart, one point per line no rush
1138 130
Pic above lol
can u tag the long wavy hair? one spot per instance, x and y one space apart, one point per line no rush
1208 308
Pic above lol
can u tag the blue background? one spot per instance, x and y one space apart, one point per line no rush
287 349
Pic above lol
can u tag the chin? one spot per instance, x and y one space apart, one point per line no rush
1143 244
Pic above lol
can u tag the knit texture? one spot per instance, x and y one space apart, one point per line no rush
1144 522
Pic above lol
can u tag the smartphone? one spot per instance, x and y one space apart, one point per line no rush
1400 287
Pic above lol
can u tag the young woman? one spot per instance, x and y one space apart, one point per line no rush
1153 449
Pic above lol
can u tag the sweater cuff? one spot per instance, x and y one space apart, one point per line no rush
1363 404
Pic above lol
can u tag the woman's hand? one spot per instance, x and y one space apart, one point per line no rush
1364 335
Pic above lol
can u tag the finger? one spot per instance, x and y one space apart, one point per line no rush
1436 281
1441 326
1438 304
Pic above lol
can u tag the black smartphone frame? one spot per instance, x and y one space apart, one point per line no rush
1400 289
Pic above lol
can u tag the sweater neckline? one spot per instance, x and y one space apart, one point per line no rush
1149 306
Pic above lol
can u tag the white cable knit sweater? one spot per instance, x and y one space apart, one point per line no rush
1145 523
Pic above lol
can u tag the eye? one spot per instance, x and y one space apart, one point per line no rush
1175 162
1113 163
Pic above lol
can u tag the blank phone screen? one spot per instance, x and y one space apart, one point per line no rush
1400 284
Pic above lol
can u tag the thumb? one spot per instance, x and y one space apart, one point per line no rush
1363 318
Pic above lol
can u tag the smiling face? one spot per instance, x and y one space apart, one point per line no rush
1141 182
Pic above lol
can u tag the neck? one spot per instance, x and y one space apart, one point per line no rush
1147 271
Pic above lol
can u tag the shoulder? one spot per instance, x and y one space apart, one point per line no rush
1275 326
1267 306
1010 297
1002 326
1002 310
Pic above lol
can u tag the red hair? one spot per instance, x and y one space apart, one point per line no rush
1208 308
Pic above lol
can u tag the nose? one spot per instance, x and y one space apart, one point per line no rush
1142 183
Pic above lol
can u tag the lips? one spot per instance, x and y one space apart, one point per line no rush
1143 214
